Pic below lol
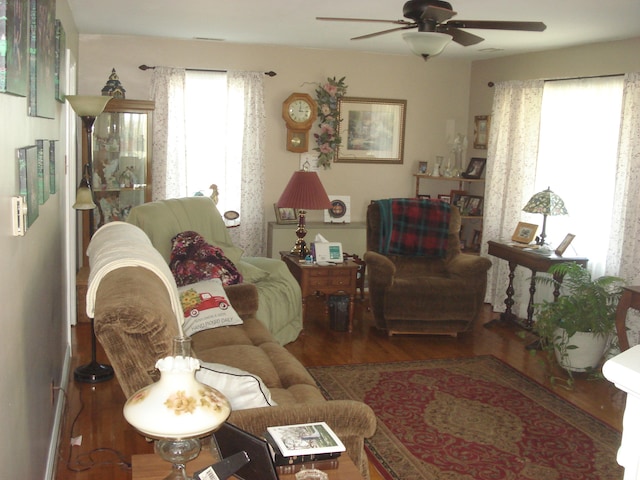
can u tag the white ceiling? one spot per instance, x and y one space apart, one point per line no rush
293 23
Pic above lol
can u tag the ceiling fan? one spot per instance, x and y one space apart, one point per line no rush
435 29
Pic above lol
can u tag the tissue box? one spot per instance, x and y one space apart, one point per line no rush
328 252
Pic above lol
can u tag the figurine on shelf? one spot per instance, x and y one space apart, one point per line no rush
127 178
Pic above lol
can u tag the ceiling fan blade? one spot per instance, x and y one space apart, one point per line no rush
498 25
460 36
375 34
341 19
438 14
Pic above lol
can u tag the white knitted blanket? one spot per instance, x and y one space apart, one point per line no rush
120 244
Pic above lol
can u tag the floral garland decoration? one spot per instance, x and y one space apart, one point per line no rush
328 140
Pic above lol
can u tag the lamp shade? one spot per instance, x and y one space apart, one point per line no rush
177 406
427 44
88 105
84 197
547 203
304 192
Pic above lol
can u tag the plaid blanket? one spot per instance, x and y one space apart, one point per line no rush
414 226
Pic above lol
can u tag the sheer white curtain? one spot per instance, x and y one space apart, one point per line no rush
623 258
168 169
512 155
579 132
210 130
248 89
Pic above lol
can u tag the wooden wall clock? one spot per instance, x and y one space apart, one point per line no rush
299 111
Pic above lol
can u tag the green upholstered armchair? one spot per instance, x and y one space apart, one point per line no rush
424 295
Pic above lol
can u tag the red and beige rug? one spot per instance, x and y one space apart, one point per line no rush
472 419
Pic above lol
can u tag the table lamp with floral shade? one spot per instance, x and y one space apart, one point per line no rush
177 410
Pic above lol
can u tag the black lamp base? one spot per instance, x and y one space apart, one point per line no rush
93 372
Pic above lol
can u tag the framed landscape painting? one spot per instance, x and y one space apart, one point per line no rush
372 130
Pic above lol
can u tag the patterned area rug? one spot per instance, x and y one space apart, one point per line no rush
472 419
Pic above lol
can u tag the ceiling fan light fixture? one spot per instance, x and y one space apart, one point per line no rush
427 44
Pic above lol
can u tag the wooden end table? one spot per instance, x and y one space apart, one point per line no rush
324 279
151 467
534 262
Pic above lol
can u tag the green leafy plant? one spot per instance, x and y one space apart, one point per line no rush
585 305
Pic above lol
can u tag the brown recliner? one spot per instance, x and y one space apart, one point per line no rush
424 295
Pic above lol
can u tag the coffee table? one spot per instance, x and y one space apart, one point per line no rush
152 467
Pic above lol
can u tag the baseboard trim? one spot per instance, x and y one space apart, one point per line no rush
56 431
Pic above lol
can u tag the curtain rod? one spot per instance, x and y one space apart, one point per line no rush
491 84
271 73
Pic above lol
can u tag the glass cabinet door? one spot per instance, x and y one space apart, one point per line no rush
121 176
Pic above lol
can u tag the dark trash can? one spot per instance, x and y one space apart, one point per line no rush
339 312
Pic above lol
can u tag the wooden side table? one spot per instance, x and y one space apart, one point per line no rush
324 279
534 262
151 467
630 299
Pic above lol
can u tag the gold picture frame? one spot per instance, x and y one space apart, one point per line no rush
372 130
481 131
564 244
285 216
524 232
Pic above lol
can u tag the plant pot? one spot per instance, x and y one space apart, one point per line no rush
587 354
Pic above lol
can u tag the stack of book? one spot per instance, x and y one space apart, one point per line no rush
308 445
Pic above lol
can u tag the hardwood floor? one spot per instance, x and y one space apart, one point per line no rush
108 441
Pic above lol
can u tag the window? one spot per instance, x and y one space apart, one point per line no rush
578 145
214 130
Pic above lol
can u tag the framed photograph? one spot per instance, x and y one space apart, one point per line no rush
457 198
524 233
285 215
564 244
473 206
481 131
443 197
372 130
422 168
475 168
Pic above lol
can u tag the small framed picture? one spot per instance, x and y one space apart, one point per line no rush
481 131
564 244
422 168
473 206
525 232
475 168
424 197
443 197
457 198
285 215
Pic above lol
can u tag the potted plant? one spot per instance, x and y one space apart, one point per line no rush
579 324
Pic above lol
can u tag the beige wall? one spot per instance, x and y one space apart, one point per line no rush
435 91
596 59
32 291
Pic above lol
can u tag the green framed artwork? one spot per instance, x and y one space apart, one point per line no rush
60 79
42 59
53 181
14 54
43 173
28 181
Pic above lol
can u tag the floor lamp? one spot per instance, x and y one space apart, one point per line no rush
88 108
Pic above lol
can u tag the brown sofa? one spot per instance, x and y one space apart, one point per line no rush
135 324
411 294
